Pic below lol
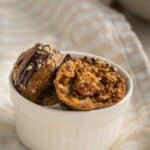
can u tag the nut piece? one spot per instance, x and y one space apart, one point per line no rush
46 48
29 68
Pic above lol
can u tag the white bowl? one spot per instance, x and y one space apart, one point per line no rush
43 128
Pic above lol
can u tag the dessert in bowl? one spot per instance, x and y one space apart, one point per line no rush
94 91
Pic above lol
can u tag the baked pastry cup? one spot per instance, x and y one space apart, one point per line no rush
89 83
34 72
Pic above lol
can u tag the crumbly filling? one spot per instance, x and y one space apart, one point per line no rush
92 78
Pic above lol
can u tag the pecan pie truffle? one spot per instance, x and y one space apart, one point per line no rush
34 72
89 83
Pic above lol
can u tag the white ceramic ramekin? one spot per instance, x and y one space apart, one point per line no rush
42 128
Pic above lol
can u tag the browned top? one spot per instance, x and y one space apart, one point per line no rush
34 72
88 83
37 58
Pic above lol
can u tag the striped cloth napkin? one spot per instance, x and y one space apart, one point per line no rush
81 26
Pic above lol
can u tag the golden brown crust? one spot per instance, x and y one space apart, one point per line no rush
88 83
34 72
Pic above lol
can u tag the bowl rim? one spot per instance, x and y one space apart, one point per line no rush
109 108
